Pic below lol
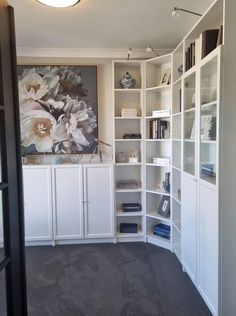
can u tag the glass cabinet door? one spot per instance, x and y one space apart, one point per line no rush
189 123
208 121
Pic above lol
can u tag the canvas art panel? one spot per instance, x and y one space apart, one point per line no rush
58 109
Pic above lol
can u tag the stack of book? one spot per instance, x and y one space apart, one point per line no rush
162 230
161 113
129 113
158 129
161 161
208 170
202 46
131 207
128 228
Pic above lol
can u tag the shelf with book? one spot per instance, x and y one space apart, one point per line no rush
153 238
178 63
128 101
156 150
154 206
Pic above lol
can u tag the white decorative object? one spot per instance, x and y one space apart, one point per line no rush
133 157
206 125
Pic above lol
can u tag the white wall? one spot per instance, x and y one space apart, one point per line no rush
105 111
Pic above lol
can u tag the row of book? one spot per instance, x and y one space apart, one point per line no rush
158 129
202 46
162 230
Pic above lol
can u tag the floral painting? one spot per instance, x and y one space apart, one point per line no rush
58 109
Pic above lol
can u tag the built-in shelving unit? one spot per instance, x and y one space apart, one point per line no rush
189 137
128 99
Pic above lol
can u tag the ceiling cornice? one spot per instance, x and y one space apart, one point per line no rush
86 52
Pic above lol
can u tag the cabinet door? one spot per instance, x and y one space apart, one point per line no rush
189 225
38 203
99 202
208 245
68 197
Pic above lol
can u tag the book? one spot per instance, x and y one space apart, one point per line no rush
161 113
131 207
209 41
129 228
220 36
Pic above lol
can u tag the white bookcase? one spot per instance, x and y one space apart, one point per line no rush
129 99
193 98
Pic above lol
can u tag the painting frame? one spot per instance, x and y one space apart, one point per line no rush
165 77
81 99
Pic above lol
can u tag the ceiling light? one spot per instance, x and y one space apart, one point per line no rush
149 49
59 3
176 12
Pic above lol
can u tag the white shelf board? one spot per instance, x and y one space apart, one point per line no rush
157 117
157 191
158 140
189 72
120 213
208 141
129 164
158 165
188 140
132 235
176 139
177 114
155 215
159 241
176 227
128 118
157 88
128 140
128 90
190 110
176 168
160 60
209 104
128 190
176 199
177 81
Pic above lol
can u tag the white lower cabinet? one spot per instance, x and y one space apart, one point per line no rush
208 246
200 237
67 200
37 203
189 227
98 201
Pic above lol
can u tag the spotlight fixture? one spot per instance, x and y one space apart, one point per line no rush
149 49
129 53
176 12
59 3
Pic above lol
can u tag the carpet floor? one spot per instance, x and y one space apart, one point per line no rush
132 279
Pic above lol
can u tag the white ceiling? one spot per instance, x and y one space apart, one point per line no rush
104 23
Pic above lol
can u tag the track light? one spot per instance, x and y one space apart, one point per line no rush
59 3
176 12
129 53
149 49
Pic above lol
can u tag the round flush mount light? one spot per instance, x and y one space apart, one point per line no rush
59 3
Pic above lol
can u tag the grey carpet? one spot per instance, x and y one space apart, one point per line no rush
132 279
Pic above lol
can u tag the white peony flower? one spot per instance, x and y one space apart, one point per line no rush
78 123
32 86
38 127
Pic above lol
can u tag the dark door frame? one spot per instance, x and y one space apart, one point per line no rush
12 184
